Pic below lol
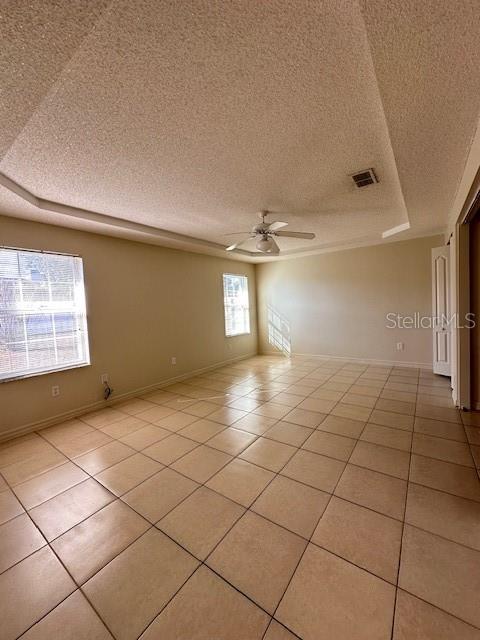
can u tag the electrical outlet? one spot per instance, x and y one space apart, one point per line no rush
55 391
174 360
400 346
104 378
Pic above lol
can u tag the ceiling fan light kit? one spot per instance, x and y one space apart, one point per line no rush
265 234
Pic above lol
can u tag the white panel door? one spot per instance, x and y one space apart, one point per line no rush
441 311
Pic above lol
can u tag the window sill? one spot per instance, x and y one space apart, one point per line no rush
237 335
35 374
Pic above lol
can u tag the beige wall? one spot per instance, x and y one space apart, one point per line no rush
335 303
145 305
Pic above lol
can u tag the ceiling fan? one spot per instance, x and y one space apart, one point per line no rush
265 233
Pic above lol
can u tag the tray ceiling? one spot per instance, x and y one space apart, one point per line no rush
177 122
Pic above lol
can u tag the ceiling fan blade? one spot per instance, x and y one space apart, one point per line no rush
236 233
295 234
275 248
277 225
232 247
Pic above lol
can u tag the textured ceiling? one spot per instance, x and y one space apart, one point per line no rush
191 116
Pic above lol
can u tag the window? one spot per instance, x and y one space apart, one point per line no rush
235 300
42 313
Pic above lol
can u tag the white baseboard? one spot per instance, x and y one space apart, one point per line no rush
385 363
100 404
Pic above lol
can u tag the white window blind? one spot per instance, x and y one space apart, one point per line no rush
235 299
42 313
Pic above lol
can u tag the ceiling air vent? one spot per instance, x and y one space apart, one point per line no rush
364 178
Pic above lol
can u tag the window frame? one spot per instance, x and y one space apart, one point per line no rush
59 367
243 333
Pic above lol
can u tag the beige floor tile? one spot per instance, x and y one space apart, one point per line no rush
201 430
176 421
442 449
57 515
402 387
473 435
361 400
31 588
201 463
434 400
244 404
288 399
241 481
471 418
445 476
337 386
102 417
362 389
72 619
155 497
18 539
396 406
441 572
104 457
10 507
83 444
32 466
124 427
232 441
155 414
288 433
330 444
272 410
49 484
201 521
88 547
255 424
128 473
277 631
331 598
384 459
207 608
352 411
448 516
170 449
65 431
374 490
438 413
362 536
227 416
315 470
22 448
476 455
418 620
386 436
200 409
258 558
145 437
327 394
152 565
391 419
403 396
134 406
342 426
305 418
268 454
320 405
292 505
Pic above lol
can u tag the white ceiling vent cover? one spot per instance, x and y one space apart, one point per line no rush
364 178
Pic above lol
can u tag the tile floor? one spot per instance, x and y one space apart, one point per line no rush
278 499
